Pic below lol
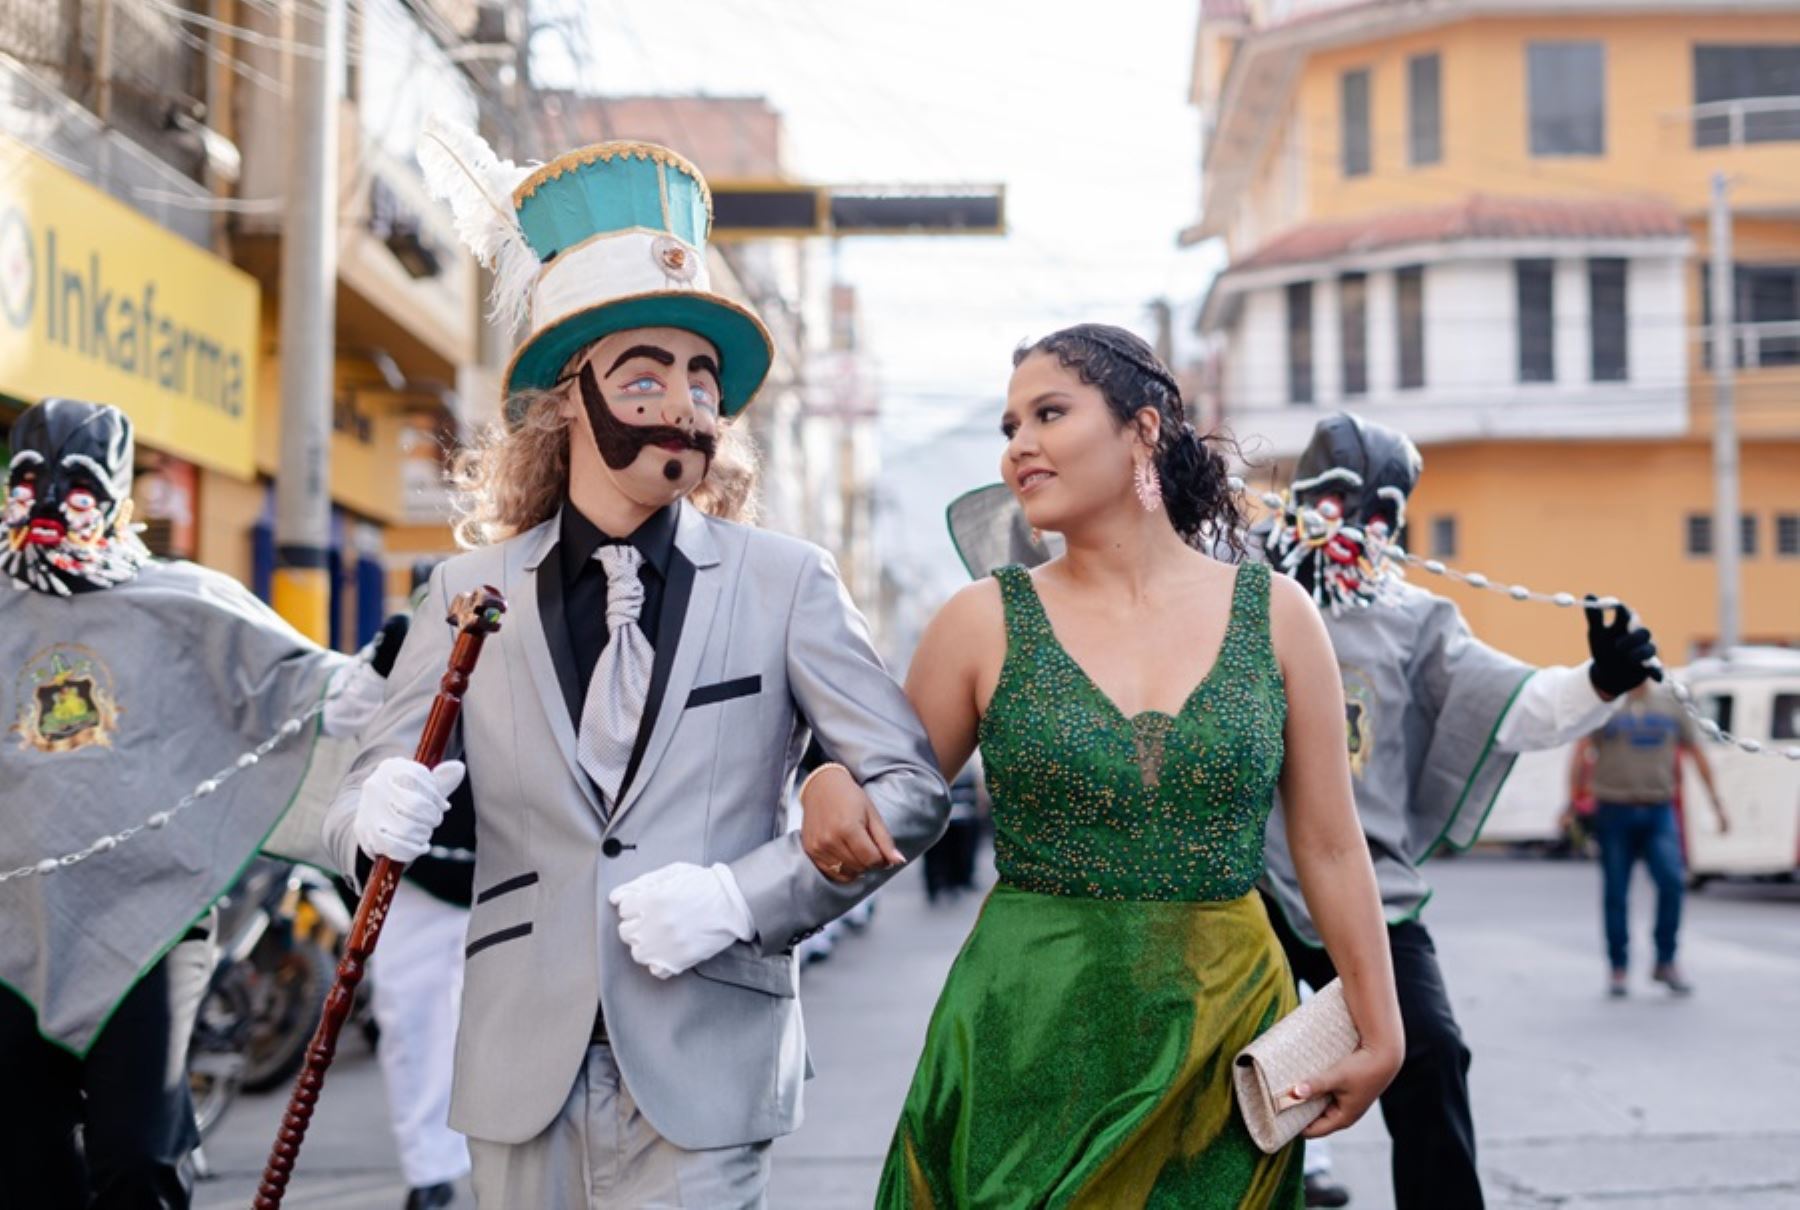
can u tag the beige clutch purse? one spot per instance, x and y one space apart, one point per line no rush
1301 1046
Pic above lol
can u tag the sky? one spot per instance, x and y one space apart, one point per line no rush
1079 109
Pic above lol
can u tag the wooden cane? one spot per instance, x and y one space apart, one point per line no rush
475 615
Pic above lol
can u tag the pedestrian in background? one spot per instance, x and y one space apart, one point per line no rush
1629 767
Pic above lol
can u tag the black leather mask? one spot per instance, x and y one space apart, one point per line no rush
68 492
1345 509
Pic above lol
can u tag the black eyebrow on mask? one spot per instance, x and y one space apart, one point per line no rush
703 361
660 356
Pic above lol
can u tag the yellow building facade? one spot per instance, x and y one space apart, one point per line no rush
1423 208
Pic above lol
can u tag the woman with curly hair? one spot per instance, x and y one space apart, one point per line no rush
1137 703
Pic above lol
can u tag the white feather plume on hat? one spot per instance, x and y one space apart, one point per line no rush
462 171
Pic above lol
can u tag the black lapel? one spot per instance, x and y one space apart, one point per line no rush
668 638
556 634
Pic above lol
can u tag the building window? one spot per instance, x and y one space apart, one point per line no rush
1723 74
1353 331
1424 111
1699 534
1606 319
1409 306
1764 295
1355 88
1566 83
1300 342
1787 535
1536 320
1443 537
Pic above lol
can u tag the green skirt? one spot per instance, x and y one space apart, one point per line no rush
1080 1055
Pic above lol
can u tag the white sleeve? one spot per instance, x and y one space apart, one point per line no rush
1555 706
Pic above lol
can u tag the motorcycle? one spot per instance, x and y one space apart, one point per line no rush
276 943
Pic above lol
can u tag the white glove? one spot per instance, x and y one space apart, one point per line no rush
401 805
681 915
351 700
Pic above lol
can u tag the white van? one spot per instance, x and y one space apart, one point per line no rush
1753 693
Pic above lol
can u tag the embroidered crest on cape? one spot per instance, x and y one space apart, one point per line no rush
1359 718
66 701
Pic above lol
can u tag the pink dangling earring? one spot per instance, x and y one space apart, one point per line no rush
1149 485
1037 536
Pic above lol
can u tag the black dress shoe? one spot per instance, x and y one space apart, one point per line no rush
429 1197
1321 1190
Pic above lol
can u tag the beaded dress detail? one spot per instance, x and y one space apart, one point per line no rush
1080 1052
1089 802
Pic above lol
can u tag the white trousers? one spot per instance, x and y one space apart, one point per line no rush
418 970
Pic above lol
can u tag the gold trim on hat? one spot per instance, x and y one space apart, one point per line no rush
568 161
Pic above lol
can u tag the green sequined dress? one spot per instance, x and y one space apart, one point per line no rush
1080 1053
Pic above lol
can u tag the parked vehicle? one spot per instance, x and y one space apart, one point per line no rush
276 943
1754 693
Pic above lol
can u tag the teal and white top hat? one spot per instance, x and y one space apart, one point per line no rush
599 240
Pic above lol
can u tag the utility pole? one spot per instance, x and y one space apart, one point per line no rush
104 51
308 321
1727 528
1163 316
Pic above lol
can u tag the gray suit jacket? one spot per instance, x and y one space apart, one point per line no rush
770 643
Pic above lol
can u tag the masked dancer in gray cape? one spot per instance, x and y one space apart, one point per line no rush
1434 720
630 1034
125 683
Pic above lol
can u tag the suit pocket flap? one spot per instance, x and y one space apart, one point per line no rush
724 691
773 975
495 938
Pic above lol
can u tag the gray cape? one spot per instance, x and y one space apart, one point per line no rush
117 703
1424 700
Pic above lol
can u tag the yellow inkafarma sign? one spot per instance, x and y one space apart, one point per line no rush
97 302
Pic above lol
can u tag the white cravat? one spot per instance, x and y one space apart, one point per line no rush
621 680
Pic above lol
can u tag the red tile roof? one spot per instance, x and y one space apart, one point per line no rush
1476 217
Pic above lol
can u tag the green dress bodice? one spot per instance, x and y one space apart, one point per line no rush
1090 803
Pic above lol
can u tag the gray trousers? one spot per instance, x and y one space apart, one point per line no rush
600 1154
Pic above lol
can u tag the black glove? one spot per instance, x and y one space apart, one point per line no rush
387 643
1624 655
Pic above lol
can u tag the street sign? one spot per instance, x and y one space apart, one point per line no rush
750 210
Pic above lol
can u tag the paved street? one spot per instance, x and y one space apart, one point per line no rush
1581 1102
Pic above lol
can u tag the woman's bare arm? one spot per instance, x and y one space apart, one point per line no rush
1332 857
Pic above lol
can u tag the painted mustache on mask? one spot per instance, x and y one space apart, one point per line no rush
620 443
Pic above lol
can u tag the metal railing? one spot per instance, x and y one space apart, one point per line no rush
1738 123
33 111
1759 345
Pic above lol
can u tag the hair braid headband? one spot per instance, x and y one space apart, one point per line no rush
1148 366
